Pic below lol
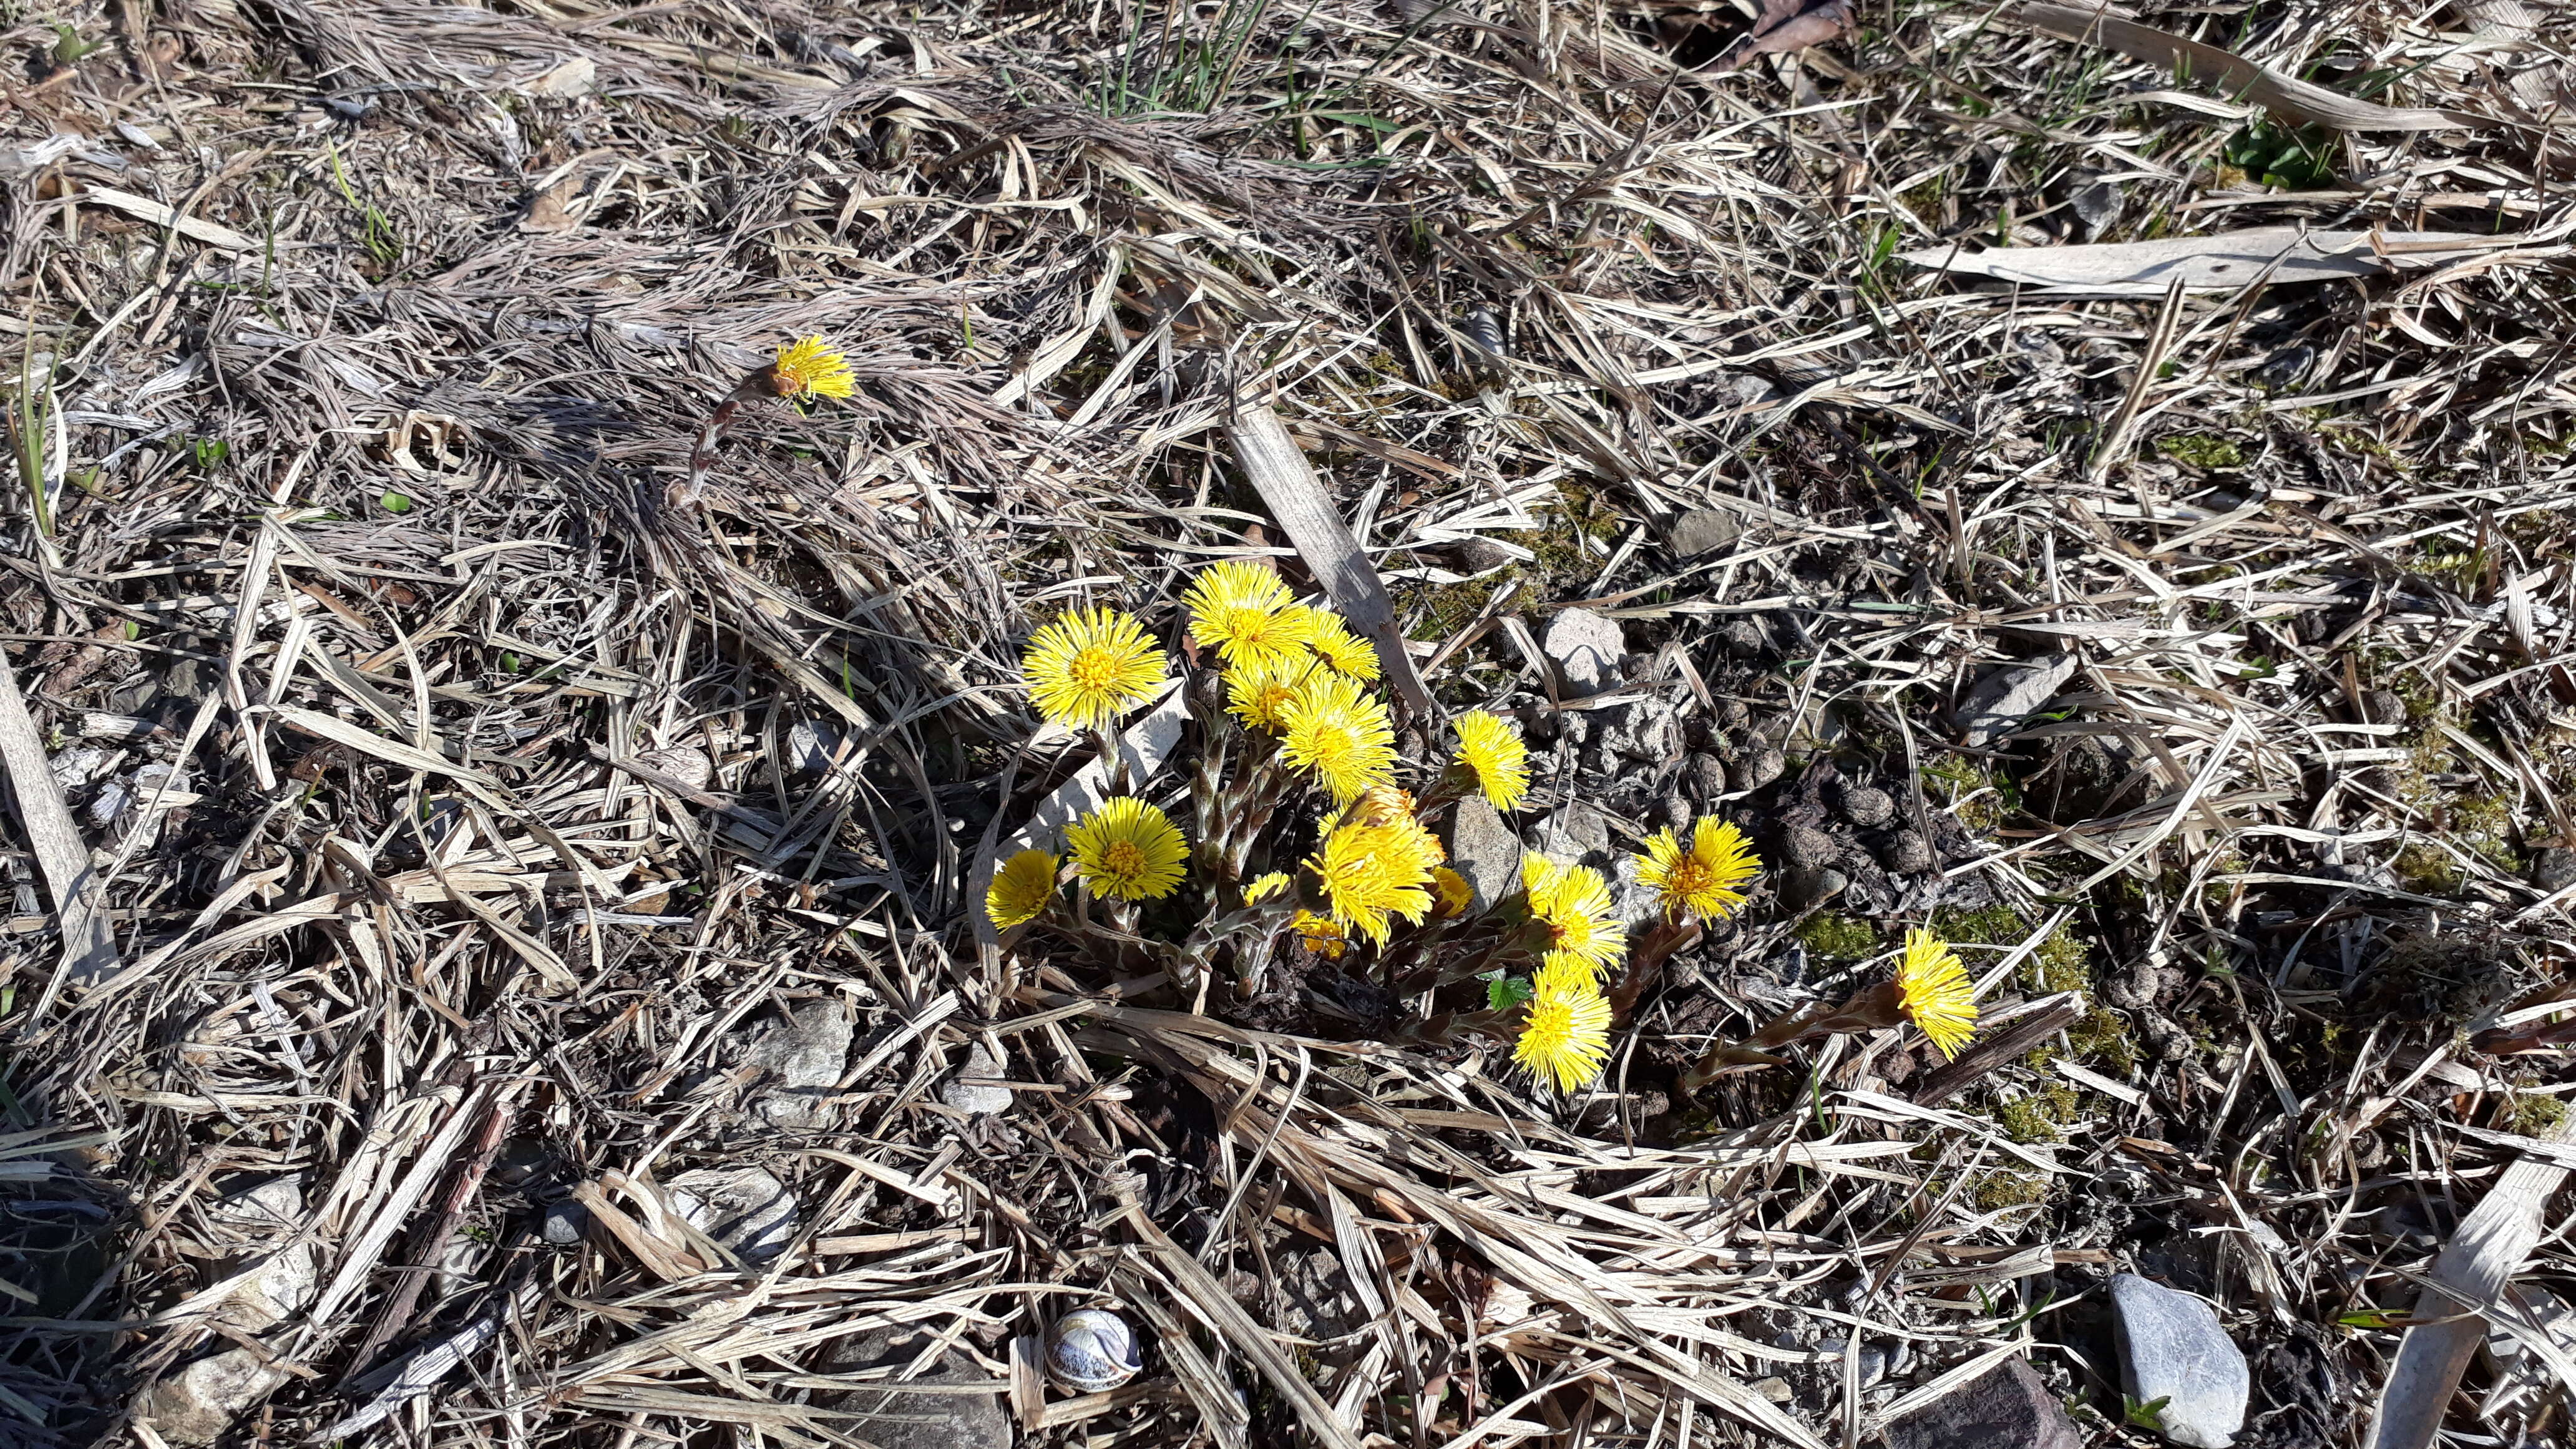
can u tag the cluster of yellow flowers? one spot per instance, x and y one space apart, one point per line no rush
1297 678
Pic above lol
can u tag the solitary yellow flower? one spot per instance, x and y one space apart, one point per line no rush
1020 889
1322 934
1492 751
1090 664
1566 1039
810 367
1340 649
1129 850
1702 880
1573 902
1450 893
1257 693
1243 612
1339 733
1935 991
1264 887
1373 871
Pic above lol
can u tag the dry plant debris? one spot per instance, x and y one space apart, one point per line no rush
518 969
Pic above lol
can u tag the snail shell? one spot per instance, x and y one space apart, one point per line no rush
1091 1351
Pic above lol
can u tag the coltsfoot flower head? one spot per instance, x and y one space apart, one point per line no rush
1702 879
1492 752
1243 612
1565 1040
1341 650
1935 991
1265 887
1021 889
810 366
1450 893
1128 850
1341 735
1258 694
1322 934
1090 665
1573 903
1371 872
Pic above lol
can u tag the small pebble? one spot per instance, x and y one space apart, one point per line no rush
1760 768
1807 848
1708 776
565 1224
1907 853
1742 638
977 1098
1800 889
1867 806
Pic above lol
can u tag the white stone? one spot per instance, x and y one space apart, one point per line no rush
199 1402
2172 1348
1587 649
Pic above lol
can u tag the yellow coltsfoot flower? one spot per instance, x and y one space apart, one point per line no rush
1450 893
810 367
1021 889
1243 612
1265 887
1322 934
1573 903
1341 650
1935 992
1493 753
1339 734
1565 1040
1258 694
1372 872
1128 850
1700 880
1090 665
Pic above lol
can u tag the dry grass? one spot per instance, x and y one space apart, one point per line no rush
522 781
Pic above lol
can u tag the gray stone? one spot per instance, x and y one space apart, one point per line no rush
198 1403
689 766
977 1098
1800 889
2098 206
1576 833
1805 847
1649 730
1484 851
1867 805
266 1219
2171 1348
2006 696
2008 1408
565 1224
1742 638
1482 555
811 744
1907 853
1636 904
1759 768
2553 869
1315 1297
919 1420
745 1209
1704 531
1587 649
1708 776
801 1059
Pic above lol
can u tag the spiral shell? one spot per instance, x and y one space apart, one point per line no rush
1091 1351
